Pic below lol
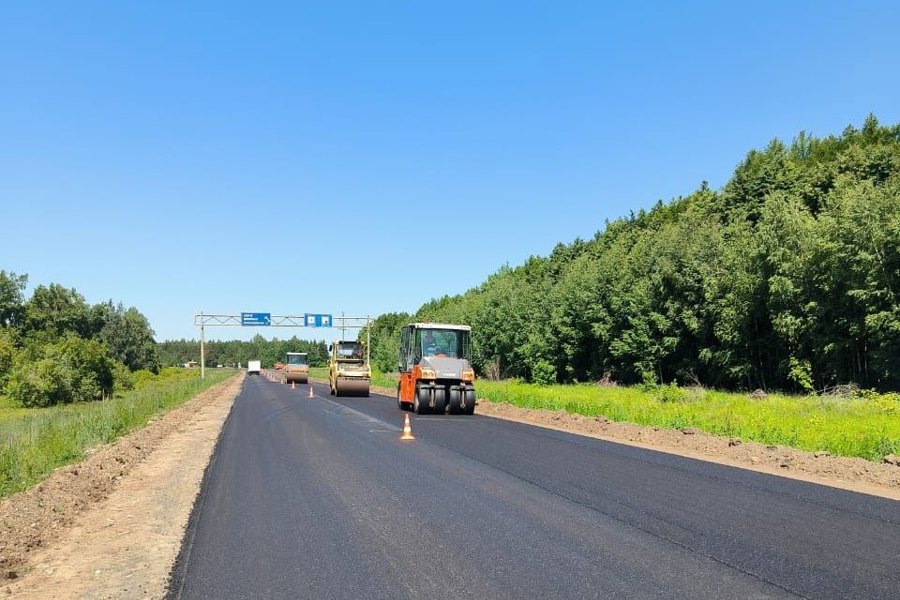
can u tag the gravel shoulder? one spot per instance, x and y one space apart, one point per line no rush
111 526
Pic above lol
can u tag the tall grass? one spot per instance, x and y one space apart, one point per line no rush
867 427
33 442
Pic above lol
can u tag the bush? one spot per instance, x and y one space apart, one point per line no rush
7 357
71 370
648 381
39 384
142 378
543 373
800 372
123 378
670 393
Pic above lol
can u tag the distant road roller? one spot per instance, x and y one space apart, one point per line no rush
349 372
296 368
436 374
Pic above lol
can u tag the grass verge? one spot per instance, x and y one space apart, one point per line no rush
867 427
378 379
35 441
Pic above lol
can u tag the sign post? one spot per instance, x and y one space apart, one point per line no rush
260 319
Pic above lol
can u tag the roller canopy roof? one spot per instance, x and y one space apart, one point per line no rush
441 326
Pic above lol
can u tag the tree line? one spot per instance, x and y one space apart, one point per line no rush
56 349
788 277
234 352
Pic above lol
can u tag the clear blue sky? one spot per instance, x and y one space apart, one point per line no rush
365 157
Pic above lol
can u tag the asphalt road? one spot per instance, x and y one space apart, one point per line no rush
318 498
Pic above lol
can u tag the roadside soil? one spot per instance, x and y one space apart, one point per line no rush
111 526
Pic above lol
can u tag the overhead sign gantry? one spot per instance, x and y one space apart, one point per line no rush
261 319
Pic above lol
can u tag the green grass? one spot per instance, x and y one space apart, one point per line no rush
385 380
9 410
35 441
318 372
378 379
865 427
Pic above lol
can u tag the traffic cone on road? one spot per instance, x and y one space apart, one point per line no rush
292 385
407 430
311 393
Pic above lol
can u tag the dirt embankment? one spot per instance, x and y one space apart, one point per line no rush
111 525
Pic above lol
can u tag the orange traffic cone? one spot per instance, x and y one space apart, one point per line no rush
407 430
311 393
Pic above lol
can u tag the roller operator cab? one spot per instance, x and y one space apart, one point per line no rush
349 372
295 368
436 374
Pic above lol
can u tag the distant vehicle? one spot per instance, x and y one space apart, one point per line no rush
253 367
296 368
349 372
436 372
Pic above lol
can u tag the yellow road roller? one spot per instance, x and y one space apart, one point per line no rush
296 368
349 372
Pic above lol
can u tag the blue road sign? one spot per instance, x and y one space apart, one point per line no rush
317 320
256 319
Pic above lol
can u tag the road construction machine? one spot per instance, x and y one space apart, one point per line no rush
349 372
296 368
436 374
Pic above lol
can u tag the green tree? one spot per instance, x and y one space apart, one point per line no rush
57 310
12 300
786 278
127 335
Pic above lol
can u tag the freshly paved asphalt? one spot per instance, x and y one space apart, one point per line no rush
318 498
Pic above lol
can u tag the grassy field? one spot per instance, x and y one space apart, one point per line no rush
867 426
318 372
35 441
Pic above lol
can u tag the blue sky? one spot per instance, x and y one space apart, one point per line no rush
365 157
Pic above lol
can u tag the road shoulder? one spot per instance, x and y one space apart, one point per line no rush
111 526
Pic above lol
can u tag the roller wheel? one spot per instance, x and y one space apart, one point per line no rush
440 400
454 401
470 402
419 407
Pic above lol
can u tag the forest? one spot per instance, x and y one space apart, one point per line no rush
785 278
234 352
57 349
